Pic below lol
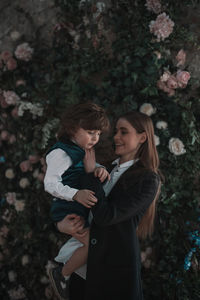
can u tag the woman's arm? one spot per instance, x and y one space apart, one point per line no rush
57 163
129 202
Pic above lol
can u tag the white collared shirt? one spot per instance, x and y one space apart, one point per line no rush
116 173
58 161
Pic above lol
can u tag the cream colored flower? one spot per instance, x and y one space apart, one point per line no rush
147 109
49 265
25 260
11 97
19 205
157 140
158 54
166 75
147 263
176 146
15 35
161 125
143 256
162 27
11 197
148 250
12 276
44 280
24 52
153 5
9 173
24 183
17 293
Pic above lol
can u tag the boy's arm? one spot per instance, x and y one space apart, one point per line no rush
57 163
91 166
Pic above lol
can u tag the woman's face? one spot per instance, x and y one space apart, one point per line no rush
127 140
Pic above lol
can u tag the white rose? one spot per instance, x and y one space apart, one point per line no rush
24 182
12 276
148 250
36 173
9 174
49 265
176 146
147 263
15 35
44 280
25 260
143 256
157 140
147 109
165 76
161 125
19 205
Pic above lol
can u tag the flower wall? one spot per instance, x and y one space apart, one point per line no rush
122 55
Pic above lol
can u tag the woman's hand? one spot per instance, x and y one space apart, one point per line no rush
89 161
101 173
71 224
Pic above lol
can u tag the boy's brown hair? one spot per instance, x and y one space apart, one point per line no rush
88 116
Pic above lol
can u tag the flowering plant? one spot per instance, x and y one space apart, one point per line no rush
144 65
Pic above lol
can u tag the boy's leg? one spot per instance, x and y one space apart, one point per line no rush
79 257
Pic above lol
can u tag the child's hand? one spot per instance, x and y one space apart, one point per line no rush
89 160
101 173
85 197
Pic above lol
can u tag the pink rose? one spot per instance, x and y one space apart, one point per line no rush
11 64
20 82
11 197
40 177
171 92
181 57
182 78
162 86
14 112
44 168
34 159
25 166
12 139
3 102
6 55
24 52
42 161
5 135
4 115
172 82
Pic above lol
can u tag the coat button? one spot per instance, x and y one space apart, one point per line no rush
93 241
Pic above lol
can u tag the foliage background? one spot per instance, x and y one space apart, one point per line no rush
105 54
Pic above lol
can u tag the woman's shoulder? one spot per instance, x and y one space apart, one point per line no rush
140 172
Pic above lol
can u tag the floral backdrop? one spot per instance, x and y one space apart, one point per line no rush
123 55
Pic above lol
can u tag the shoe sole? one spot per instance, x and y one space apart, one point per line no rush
54 285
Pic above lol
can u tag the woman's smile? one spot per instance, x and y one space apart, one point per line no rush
127 140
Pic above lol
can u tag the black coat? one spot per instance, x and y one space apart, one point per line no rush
113 267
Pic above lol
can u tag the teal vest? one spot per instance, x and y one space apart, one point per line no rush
72 175
61 208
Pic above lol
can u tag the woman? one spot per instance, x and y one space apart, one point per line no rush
124 212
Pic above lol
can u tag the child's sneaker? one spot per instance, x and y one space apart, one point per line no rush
59 284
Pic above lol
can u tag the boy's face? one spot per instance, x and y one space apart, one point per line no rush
86 139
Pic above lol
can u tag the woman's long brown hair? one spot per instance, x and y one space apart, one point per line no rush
148 156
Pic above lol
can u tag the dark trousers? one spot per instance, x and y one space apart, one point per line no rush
76 287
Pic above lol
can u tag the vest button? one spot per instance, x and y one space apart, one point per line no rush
93 241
